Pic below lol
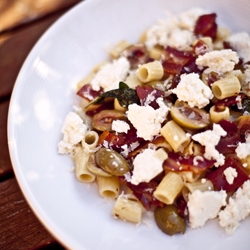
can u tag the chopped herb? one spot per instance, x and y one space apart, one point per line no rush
246 104
124 95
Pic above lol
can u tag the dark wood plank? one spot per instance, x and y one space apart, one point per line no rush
17 12
5 164
19 228
14 48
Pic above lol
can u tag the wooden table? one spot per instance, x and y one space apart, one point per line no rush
22 22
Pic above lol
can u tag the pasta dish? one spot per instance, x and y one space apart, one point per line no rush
164 126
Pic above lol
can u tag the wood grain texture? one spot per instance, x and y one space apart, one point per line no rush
17 12
15 47
19 228
5 164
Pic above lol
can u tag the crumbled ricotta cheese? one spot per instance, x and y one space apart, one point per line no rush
109 76
125 150
192 90
209 139
243 148
150 98
120 126
147 165
241 43
237 209
181 39
230 173
203 206
175 31
220 61
148 218
187 19
73 132
146 119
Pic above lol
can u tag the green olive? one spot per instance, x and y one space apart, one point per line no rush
91 166
188 117
111 162
169 221
103 120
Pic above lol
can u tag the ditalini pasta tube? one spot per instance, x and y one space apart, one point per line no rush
226 87
202 185
169 188
150 71
189 176
90 140
193 149
81 171
116 51
217 116
109 187
175 136
128 208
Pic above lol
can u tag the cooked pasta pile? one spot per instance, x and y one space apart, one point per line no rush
164 126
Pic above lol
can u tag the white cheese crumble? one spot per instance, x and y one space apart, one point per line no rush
209 139
73 132
203 206
243 148
193 90
175 31
230 173
241 43
147 165
109 76
237 209
146 119
220 61
120 126
150 98
127 149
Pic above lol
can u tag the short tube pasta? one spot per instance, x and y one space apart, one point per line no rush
175 136
89 77
217 116
127 208
193 149
81 171
132 81
205 185
90 140
109 187
189 176
116 51
150 71
169 188
156 53
226 87
202 185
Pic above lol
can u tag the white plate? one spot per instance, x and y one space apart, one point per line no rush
44 94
